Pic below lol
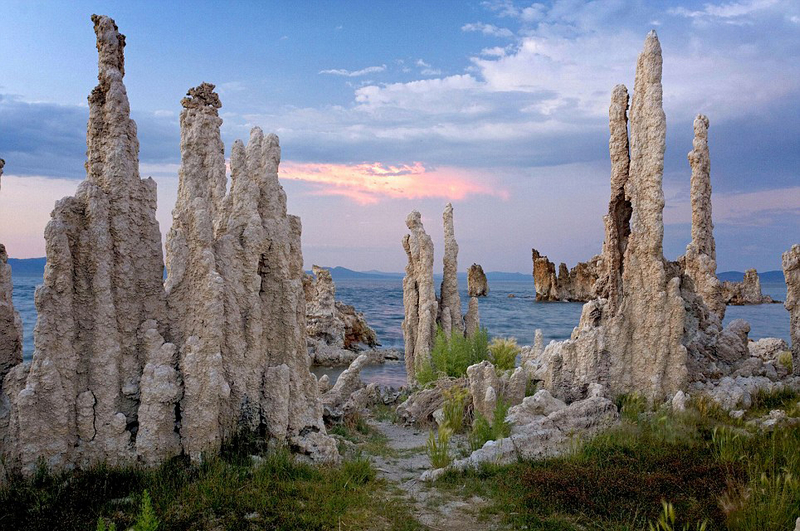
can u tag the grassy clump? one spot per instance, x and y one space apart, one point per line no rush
785 359
706 466
503 353
222 493
667 521
455 402
438 447
484 431
451 356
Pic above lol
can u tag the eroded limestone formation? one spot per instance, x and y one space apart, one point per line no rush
746 292
78 401
477 285
575 285
336 331
449 316
650 334
700 261
10 323
544 277
617 220
236 260
125 370
419 296
791 272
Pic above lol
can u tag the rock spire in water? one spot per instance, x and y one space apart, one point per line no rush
791 272
419 296
700 260
477 285
78 401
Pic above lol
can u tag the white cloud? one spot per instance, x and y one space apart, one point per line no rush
488 29
354 73
426 69
724 11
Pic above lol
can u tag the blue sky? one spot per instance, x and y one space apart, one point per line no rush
383 107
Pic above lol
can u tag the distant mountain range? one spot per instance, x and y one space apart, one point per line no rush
34 267
342 273
738 276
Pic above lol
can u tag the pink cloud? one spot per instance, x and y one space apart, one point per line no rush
369 182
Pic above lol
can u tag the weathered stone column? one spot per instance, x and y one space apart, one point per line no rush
544 277
419 297
10 323
617 220
235 261
701 255
450 300
79 401
791 272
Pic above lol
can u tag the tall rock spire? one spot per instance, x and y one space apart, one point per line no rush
235 261
701 256
450 300
617 220
103 280
791 272
419 297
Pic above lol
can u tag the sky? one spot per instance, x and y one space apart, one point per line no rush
499 107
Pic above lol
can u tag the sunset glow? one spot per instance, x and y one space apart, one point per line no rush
370 182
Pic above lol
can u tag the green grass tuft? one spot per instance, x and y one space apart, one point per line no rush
503 353
451 356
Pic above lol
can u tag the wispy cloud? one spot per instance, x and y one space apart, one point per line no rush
354 73
426 69
724 11
743 209
488 29
371 182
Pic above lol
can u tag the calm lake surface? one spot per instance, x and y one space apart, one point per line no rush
381 301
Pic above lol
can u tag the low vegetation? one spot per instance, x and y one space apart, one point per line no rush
451 356
234 491
503 353
694 470
484 431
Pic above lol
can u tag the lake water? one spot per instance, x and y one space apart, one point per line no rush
381 301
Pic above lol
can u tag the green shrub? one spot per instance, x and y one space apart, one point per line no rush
101 525
483 430
438 447
503 353
146 520
451 356
455 400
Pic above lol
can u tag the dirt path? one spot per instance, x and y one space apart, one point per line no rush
403 463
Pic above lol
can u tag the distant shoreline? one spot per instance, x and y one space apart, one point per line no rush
30 267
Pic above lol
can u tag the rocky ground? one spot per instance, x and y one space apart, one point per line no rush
401 465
